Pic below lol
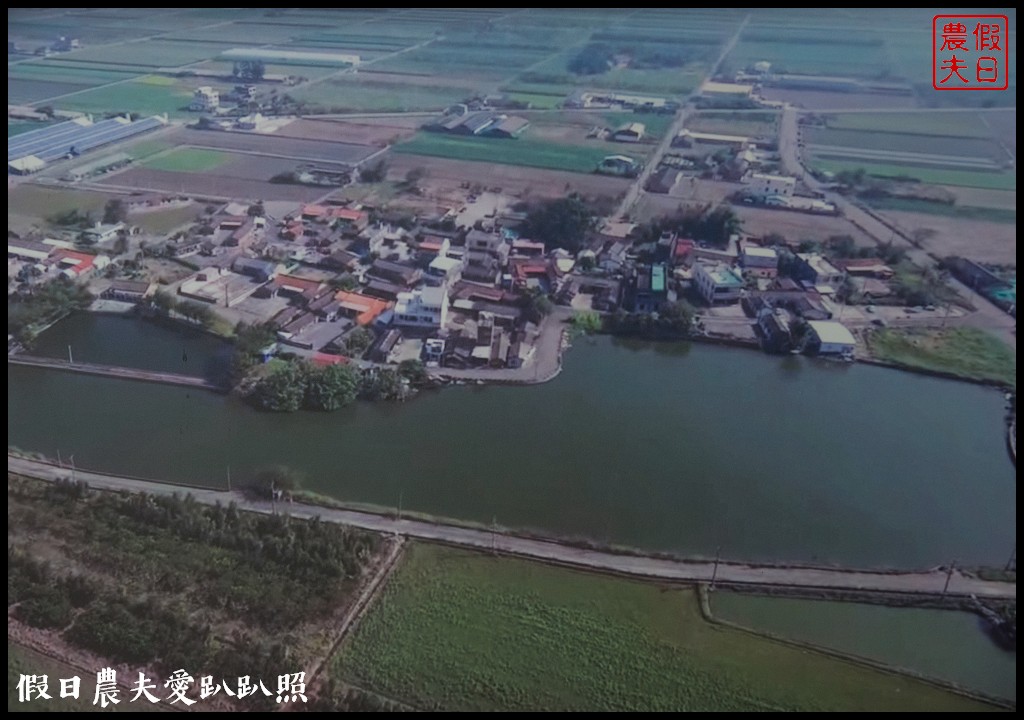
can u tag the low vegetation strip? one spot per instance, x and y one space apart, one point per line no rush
458 630
935 176
187 160
966 352
529 153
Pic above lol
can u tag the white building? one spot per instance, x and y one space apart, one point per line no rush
443 270
832 338
101 233
204 99
630 132
763 185
815 269
711 89
717 283
424 308
759 261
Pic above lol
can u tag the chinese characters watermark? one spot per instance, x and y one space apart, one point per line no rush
291 687
970 52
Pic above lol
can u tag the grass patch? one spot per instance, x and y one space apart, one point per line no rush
18 127
963 212
161 222
134 96
465 631
966 352
41 202
908 142
953 124
530 153
934 176
538 101
734 123
792 56
189 160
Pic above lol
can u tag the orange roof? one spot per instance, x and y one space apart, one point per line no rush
79 261
296 283
325 359
348 214
366 308
313 210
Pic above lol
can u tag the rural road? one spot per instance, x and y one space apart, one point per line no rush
987 316
124 373
921 582
636 190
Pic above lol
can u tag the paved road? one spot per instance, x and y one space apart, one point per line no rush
925 583
123 373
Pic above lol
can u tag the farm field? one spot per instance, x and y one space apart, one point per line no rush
34 203
273 145
188 160
965 351
456 630
137 96
910 142
965 212
935 176
378 132
983 239
735 123
161 222
522 151
951 124
351 94
819 100
444 176
233 183
152 53
828 56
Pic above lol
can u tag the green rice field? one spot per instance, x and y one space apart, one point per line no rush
134 96
350 94
932 176
463 631
522 151
41 202
188 160
161 222
953 124
735 123
970 147
963 212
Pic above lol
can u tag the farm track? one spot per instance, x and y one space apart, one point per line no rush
925 583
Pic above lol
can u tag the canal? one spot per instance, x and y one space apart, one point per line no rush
943 644
678 447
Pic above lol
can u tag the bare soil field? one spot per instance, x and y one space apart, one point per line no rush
693 189
514 180
819 100
797 225
424 80
980 197
215 185
978 240
317 151
377 133
1003 124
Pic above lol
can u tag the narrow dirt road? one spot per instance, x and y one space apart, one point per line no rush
919 582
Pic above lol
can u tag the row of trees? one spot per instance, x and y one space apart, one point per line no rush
191 310
297 384
674 320
706 224
46 304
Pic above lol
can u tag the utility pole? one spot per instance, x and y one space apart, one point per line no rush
71 459
229 478
949 576
71 360
1012 561
714 571
60 463
494 532
399 504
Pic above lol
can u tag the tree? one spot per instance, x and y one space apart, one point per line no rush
121 244
538 305
414 372
332 387
283 389
676 318
279 478
249 70
256 210
357 342
593 59
115 212
563 222
375 173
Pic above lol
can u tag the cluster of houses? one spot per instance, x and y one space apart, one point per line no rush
39 261
774 286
